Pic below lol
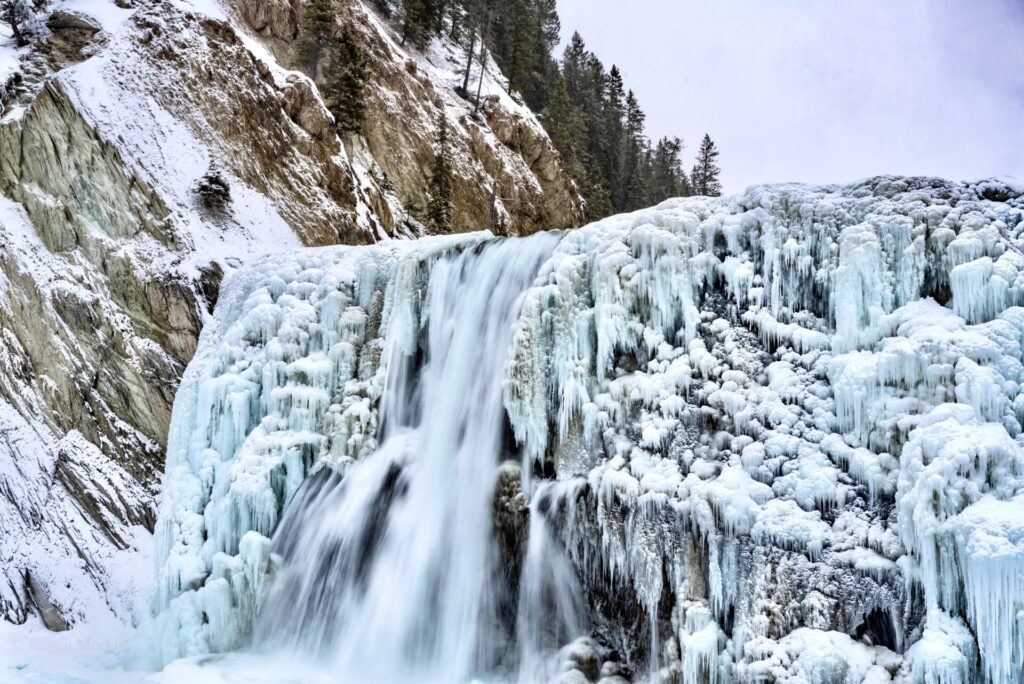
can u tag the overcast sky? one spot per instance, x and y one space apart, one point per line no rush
823 90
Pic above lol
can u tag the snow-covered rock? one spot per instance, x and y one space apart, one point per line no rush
501 148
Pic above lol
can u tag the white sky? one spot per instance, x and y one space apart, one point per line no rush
823 90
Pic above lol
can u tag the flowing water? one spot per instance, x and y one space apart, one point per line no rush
392 573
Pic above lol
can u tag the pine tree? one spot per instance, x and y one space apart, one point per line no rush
636 157
17 14
668 179
596 125
706 171
573 60
477 20
586 83
423 19
549 29
596 195
439 204
346 81
513 44
548 24
469 59
321 28
415 23
564 123
383 6
213 192
613 138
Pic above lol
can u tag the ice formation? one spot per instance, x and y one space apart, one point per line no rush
775 437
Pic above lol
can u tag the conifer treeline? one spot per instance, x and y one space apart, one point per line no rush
333 49
593 119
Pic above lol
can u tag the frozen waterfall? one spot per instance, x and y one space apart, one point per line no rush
776 437
393 570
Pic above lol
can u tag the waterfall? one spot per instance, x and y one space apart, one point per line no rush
390 572
549 598
714 441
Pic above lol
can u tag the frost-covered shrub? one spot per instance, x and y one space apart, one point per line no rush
18 14
213 192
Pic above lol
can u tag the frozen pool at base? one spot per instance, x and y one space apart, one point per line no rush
30 654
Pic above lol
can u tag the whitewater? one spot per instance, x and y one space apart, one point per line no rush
775 437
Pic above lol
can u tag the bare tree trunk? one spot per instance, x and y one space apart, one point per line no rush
469 60
480 83
9 13
483 58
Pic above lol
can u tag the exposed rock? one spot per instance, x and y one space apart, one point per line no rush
39 160
511 528
267 129
306 109
582 657
211 276
62 20
49 613
502 150
271 18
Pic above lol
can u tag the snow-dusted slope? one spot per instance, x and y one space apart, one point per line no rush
778 435
109 266
502 148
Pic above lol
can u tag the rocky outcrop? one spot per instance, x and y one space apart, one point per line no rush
500 149
268 128
94 343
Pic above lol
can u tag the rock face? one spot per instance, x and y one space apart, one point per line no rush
109 266
502 147
94 343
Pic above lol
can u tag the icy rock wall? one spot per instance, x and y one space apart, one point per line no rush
798 412
289 377
795 417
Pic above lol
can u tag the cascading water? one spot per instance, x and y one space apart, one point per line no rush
550 608
390 571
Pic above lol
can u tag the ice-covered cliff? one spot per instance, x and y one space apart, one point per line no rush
775 437
110 264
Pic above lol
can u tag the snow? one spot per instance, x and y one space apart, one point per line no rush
30 654
10 63
8 54
165 152
107 13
